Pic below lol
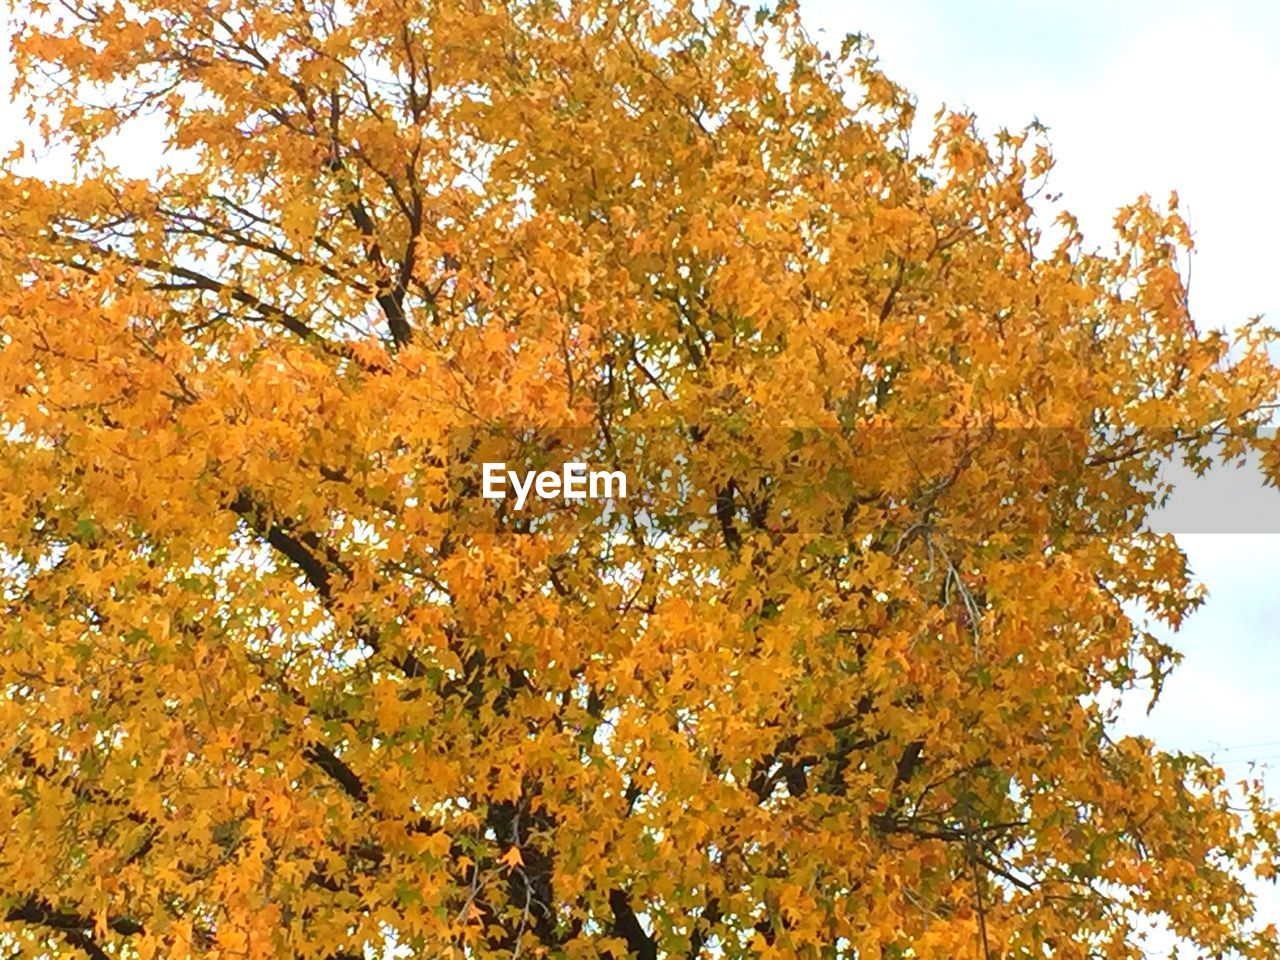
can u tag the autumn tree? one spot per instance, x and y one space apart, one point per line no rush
835 680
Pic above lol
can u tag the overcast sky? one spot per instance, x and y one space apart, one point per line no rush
1140 96
1143 96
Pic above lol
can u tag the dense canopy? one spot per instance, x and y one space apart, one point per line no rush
833 680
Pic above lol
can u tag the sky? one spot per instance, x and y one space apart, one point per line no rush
1144 96
1140 96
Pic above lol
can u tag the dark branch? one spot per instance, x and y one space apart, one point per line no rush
627 925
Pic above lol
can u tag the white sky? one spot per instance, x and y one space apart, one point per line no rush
1139 96
1142 96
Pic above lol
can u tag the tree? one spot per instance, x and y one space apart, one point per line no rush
834 680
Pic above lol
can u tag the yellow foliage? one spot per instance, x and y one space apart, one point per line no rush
829 682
